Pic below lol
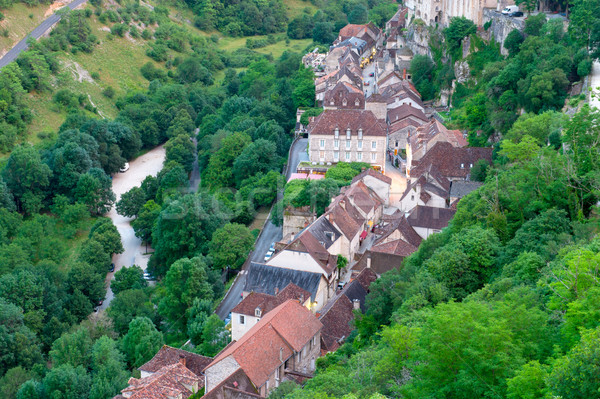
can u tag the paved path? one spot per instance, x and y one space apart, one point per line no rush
398 183
595 85
36 34
148 164
270 234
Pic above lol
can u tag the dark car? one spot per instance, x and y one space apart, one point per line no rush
111 268
517 14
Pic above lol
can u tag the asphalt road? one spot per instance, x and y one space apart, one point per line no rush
594 96
36 34
270 234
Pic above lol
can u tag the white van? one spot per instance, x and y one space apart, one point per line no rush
510 9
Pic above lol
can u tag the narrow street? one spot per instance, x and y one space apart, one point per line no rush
270 234
399 182
148 164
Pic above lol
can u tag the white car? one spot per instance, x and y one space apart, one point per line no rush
268 255
125 168
510 9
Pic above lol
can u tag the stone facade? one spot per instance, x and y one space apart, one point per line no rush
219 372
326 149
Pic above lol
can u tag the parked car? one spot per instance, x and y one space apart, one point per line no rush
148 276
227 319
372 74
341 285
268 255
111 268
272 247
125 168
367 83
510 9
516 14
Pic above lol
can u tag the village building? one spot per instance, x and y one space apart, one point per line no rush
344 96
370 33
460 189
271 280
403 121
286 340
347 136
453 163
430 189
255 305
427 220
379 183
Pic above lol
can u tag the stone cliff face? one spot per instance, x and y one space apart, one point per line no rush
417 39
502 25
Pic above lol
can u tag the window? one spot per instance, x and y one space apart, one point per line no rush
396 143
348 134
462 165
331 102
412 197
344 102
347 156
356 103
373 156
336 132
322 143
336 156
315 340
242 319
373 145
347 144
322 156
359 144
336 143
360 134
310 345
359 156
299 357
257 312
277 374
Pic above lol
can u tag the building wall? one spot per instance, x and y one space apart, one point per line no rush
399 139
378 109
296 260
294 221
414 198
425 232
238 329
327 153
381 188
398 102
220 371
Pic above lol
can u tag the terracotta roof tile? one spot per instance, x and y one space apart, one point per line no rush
450 161
168 382
366 277
430 217
267 302
372 173
287 328
168 355
330 119
405 111
397 247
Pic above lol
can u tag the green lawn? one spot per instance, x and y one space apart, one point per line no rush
18 23
296 7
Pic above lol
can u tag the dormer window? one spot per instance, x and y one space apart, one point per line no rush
344 102
470 165
331 102
360 132
258 312
356 103
462 165
348 134
337 132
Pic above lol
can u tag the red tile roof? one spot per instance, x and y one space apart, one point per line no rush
342 119
366 277
336 323
451 162
287 328
406 111
372 173
168 382
267 302
306 242
397 247
168 355
430 217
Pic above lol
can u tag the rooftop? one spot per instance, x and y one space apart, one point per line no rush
269 279
168 355
343 119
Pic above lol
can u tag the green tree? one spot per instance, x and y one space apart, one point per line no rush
20 346
66 382
199 312
94 189
584 26
186 280
457 30
12 380
109 374
93 253
529 382
106 233
214 336
513 42
27 177
144 223
230 246
141 342
128 278
131 202
126 306
72 348
582 135
258 157
181 149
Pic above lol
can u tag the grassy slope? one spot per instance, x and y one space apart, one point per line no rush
18 23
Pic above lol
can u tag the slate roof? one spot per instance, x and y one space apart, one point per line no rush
381 262
426 182
168 355
401 224
267 279
461 188
450 161
397 247
428 131
372 173
168 382
325 232
336 323
280 333
366 277
430 217
330 119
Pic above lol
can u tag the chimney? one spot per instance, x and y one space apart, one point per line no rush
276 291
369 261
182 359
404 74
356 303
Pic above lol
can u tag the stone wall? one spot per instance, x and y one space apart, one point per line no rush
501 26
417 39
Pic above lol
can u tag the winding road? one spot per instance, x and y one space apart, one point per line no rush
594 96
134 252
42 28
